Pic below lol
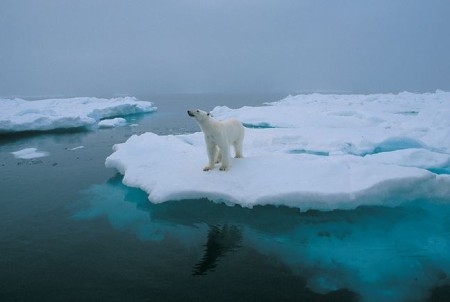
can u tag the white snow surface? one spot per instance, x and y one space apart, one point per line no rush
310 151
18 115
29 153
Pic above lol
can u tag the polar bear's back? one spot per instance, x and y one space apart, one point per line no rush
234 129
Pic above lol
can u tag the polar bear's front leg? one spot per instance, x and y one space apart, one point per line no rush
225 152
212 150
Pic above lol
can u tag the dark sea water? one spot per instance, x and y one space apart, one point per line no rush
71 231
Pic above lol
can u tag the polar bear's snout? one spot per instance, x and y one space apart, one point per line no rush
198 114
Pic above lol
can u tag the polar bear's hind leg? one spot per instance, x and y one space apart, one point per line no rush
218 157
238 147
238 151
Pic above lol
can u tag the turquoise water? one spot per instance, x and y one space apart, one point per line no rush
71 231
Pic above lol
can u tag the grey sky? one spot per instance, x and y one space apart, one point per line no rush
108 47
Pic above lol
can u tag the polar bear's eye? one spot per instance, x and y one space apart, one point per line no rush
198 111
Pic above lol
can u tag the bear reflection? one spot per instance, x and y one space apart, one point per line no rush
221 240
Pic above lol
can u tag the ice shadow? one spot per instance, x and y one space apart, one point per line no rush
9 137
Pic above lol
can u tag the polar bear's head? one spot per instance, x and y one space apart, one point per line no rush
199 115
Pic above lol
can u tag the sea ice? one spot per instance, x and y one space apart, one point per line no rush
365 121
29 153
317 152
111 123
18 115
76 148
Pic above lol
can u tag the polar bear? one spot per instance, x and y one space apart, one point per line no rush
219 135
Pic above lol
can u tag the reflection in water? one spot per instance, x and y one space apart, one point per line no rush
221 240
383 254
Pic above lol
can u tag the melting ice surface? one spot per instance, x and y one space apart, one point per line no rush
314 152
18 115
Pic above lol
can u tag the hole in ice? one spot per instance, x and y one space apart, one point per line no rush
393 144
413 113
343 113
311 152
439 171
258 126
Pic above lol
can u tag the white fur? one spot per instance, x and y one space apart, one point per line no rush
219 135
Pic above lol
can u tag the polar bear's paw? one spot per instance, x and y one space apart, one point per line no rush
207 168
222 168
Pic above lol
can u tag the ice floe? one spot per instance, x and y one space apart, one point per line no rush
111 123
29 153
309 151
18 115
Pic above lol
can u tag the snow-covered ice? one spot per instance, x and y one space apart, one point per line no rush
357 123
111 123
18 115
308 151
29 153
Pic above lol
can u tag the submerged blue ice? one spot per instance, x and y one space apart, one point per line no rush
258 125
382 253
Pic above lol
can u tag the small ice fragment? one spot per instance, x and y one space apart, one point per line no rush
29 153
111 123
76 148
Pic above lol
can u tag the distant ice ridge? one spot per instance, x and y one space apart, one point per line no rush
18 115
309 151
